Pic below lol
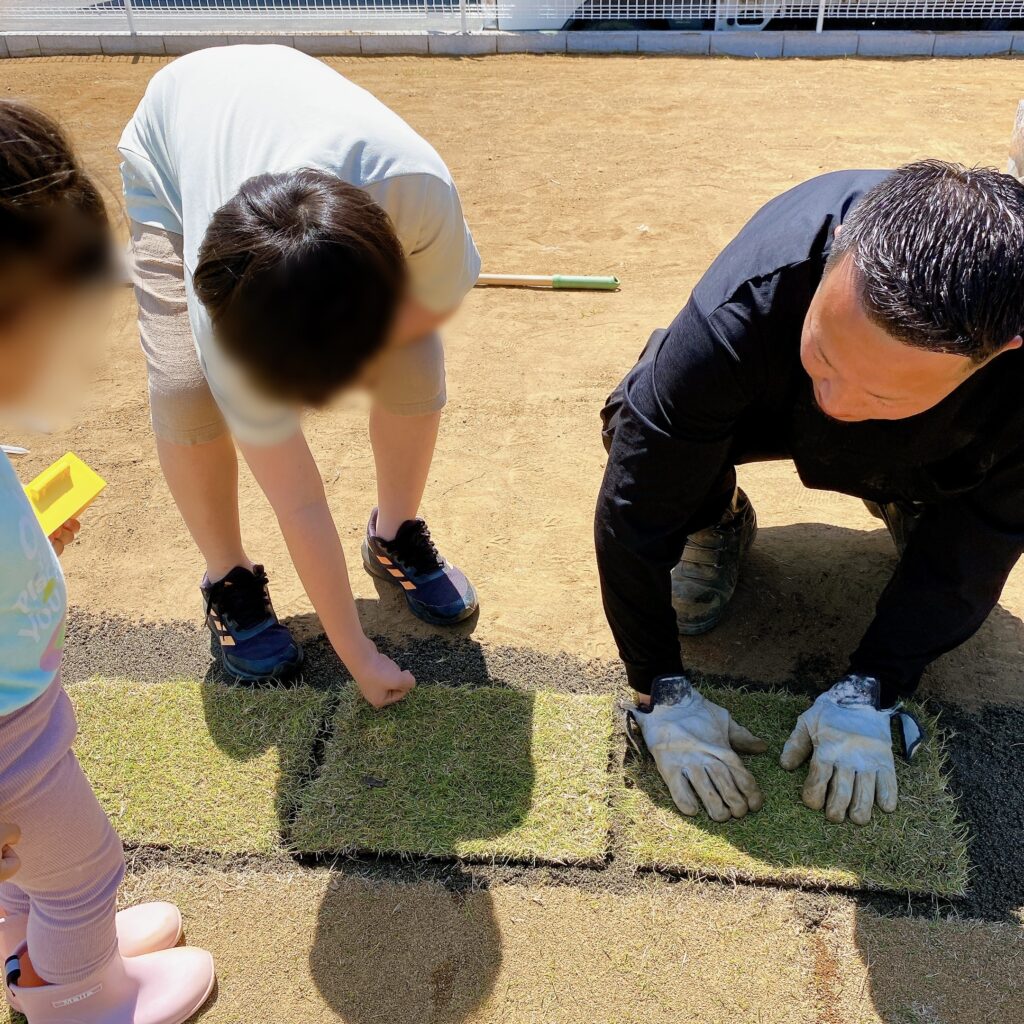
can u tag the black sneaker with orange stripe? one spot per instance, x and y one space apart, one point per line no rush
435 590
251 643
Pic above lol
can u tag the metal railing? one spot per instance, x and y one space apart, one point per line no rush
291 16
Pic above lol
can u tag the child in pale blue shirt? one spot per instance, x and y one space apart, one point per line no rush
68 957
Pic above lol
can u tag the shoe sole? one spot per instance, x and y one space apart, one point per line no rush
700 628
378 574
281 675
202 1002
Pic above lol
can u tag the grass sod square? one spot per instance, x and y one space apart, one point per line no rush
195 765
480 774
920 848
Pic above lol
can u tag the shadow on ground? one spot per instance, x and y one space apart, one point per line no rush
808 591
366 966
378 959
805 597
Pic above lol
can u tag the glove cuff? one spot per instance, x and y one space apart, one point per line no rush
669 691
854 691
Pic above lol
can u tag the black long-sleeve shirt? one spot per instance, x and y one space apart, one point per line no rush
729 367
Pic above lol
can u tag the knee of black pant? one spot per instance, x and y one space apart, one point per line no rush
610 417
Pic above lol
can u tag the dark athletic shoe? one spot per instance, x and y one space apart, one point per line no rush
705 579
252 644
436 591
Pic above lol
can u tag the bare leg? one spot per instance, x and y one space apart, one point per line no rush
403 447
203 479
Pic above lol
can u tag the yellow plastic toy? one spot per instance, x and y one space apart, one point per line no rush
63 492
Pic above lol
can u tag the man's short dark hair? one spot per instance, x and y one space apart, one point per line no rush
302 275
939 249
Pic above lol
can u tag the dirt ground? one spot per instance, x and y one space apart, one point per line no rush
643 168
639 167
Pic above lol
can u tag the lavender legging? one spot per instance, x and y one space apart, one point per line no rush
71 858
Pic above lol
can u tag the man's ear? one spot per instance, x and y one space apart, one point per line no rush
838 231
1008 347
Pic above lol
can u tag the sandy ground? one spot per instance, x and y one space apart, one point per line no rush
337 947
643 168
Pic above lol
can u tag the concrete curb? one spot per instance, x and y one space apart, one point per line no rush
329 45
602 42
746 44
130 46
693 43
176 46
820 44
896 44
455 44
76 45
532 42
395 43
972 44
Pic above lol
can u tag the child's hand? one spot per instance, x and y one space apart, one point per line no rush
380 680
65 535
9 862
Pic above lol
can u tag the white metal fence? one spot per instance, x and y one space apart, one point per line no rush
218 16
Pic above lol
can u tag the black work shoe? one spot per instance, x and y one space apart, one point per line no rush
705 578
252 644
900 518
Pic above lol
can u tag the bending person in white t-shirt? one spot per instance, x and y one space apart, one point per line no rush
292 237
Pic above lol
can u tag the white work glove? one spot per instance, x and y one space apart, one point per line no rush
694 744
849 741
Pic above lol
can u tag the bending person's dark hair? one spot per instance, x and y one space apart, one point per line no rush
939 249
302 275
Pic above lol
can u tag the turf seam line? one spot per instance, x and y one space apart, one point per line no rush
456 874
316 761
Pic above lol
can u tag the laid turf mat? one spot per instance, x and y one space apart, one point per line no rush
921 847
483 773
197 765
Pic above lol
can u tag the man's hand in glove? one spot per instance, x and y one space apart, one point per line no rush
849 741
694 744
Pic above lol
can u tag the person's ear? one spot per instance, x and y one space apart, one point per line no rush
1008 347
838 231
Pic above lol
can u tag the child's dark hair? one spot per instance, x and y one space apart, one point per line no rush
53 223
302 275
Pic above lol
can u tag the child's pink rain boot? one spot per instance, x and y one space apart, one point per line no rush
146 928
166 987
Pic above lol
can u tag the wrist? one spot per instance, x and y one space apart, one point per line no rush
672 690
641 677
356 653
856 690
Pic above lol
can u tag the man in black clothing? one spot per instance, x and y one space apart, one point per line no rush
867 325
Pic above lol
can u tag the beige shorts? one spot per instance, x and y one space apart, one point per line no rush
412 378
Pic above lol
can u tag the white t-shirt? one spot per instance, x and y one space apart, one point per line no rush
213 119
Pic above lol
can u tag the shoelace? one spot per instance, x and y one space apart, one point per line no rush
415 549
245 604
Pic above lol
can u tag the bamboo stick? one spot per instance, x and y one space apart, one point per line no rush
555 281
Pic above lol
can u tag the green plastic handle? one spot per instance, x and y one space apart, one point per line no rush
599 284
